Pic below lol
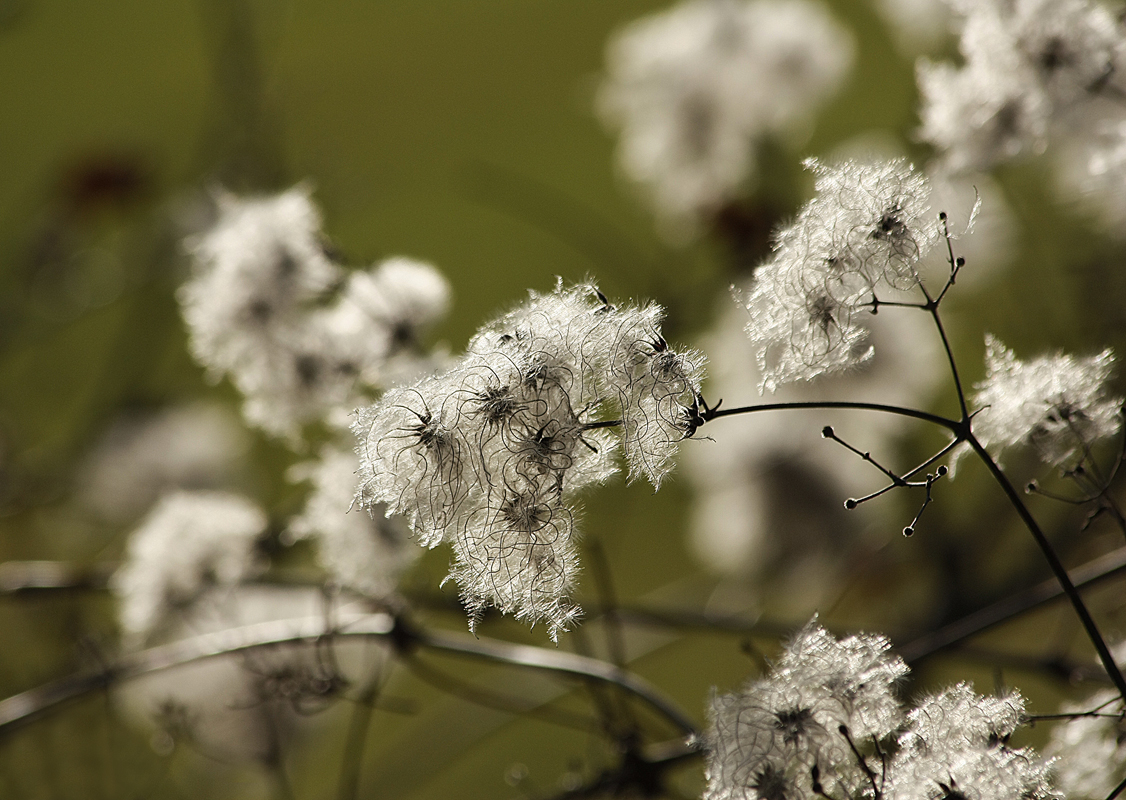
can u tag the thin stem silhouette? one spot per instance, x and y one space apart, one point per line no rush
1055 564
944 422
31 704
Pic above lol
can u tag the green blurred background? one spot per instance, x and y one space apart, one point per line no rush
461 133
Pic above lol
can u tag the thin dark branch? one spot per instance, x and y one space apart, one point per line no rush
612 705
956 264
20 577
500 702
877 303
828 433
604 583
946 449
562 663
1010 607
610 423
860 760
950 359
358 724
1074 715
910 529
935 419
35 702
1056 566
931 307
600 695
1117 790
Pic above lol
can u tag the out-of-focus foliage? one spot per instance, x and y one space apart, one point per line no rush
465 135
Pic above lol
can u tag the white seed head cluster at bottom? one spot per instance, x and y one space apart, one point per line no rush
822 725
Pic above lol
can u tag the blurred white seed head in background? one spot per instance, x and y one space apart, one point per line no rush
692 91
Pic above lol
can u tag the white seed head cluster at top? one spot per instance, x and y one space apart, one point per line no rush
1032 68
693 89
865 230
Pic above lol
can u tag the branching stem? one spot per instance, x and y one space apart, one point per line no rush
1055 564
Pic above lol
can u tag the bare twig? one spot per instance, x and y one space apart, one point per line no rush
35 702
1010 607
943 422
1056 566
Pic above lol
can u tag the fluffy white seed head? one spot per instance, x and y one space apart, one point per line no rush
957 717
800 334
1033 69
956 741
978 117
361 551
517 554
868 219
386 309
404 295
980 772
866 229
849 682
802 732
415 460
254 271
1059 404
765 740
490 454
693 88
301 340
1089 751
189 543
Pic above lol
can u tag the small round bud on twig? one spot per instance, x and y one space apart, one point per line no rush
851 503
827 432
942 470
1032 487
908 531
959 262
942 216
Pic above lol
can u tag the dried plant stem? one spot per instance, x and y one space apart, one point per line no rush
1009 608
1056 566
961 430
26 706
936 419
358 724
